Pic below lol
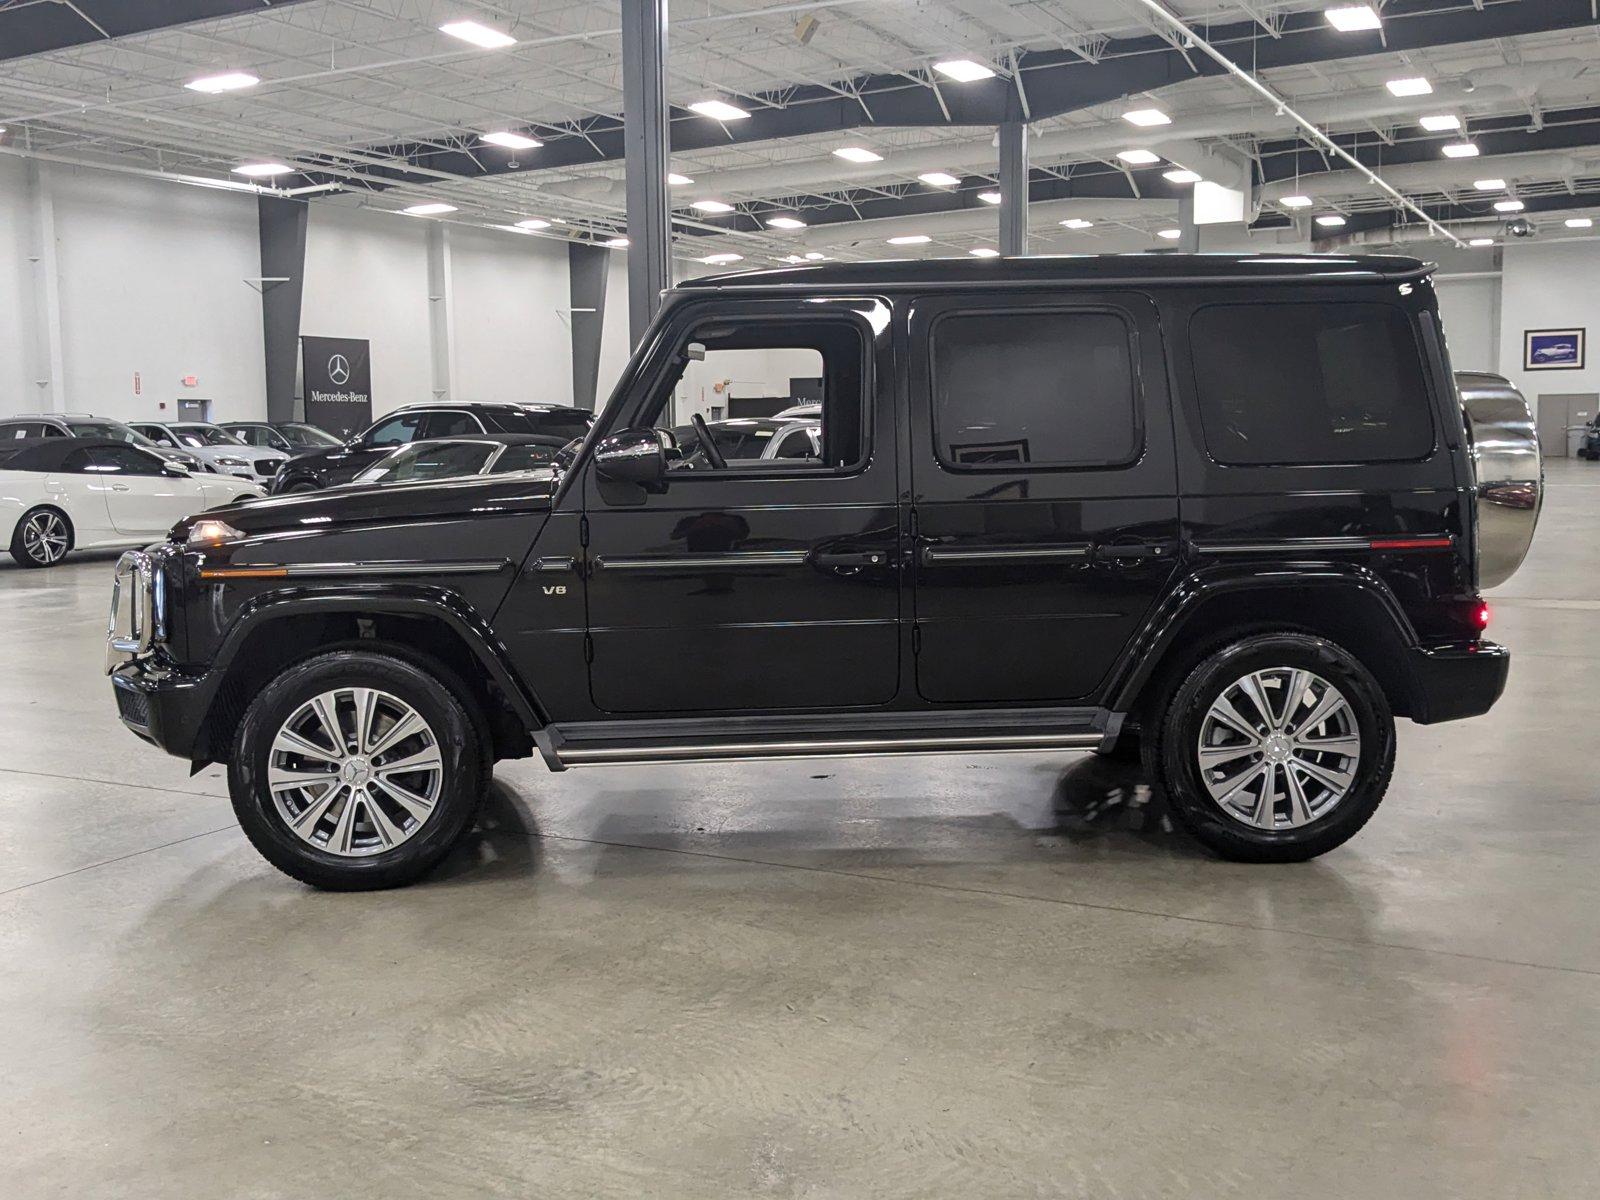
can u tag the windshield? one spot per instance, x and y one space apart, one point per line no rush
429 460
307 435
116 431
204 435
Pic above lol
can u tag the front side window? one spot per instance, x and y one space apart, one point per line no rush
757 366
206 435
396 431
122 460
429 460
1050 389
524 458
1301 384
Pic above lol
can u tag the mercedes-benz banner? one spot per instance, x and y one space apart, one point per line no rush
336 374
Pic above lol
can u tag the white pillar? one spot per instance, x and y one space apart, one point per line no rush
441 312
46 367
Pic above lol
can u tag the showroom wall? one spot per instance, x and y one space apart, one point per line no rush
1549 285
1469 310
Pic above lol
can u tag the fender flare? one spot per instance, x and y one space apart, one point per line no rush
1167 622
411 600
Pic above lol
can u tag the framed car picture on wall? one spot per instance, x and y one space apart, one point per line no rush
1553 350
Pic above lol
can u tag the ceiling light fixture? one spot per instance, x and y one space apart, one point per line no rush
258 169
727 257
989 197
431 209
1297 202
910 239
1440 123
1077 223
1147 118
711 206
676 180
1331 221
231 81
478 35
939 179
1413 86
511 141
815 256
1490 185
857 154
1580 222
533 223
1509 206
616 243
1170 235
1460 150
1181 176
786 223
1481 242
984 252
1353 18
718 110
1138 158
963 70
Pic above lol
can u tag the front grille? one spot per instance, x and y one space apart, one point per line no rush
266 466
131 629
133 707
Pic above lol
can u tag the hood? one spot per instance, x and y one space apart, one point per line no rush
371 504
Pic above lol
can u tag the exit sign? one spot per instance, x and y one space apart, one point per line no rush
191 381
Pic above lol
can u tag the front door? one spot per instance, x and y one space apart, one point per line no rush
143 500
1044 492
751 584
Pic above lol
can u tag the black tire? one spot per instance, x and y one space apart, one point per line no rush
436 695
305 485
1171 761
18 550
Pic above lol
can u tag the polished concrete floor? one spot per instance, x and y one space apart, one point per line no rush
985 977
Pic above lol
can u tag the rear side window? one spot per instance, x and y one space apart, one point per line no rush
1052 389
1303 384
556 424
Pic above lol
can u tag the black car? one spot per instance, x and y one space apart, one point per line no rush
450 458
1232 513
417 422
292 437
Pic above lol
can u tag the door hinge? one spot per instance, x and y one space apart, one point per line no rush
916 639
588 648
583 530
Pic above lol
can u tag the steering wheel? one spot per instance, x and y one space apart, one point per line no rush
708 443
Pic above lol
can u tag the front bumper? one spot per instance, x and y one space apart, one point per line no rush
161 706
1456 681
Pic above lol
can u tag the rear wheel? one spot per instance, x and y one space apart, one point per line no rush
357 770
42 538
1278 748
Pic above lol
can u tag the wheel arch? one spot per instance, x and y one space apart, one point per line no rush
424 624
1347 604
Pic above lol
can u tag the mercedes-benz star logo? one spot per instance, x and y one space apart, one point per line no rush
339 370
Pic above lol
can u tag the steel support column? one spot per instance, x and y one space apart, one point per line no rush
1188 231
645 142
282 228
587 269
441 312
1014 188
47 364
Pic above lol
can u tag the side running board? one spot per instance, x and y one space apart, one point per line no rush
745 739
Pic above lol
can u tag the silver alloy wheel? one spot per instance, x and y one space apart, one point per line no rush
44 537
355 771
1279 748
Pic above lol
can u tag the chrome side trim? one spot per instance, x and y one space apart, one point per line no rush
938 554
734 560
755 751
131 629
563 563
487 566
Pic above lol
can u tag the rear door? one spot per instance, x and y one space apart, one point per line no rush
1044 491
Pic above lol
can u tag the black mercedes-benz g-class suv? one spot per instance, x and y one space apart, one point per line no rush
1228 510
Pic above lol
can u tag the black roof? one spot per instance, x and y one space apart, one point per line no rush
1083 269
496 405
47 454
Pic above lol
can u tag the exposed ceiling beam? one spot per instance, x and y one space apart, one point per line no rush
44 25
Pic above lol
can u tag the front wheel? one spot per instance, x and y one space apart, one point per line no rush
1276 749
42 538
356 770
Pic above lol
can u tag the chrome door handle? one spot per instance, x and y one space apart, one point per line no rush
119 487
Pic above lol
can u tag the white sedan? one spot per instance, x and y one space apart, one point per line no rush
61 494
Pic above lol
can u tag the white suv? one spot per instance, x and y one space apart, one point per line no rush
214 446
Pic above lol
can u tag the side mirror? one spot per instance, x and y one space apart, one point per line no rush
175 469
633 456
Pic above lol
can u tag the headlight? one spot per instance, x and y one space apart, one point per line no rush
212 532
225 461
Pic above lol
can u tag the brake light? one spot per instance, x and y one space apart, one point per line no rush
1418 543
1481 616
